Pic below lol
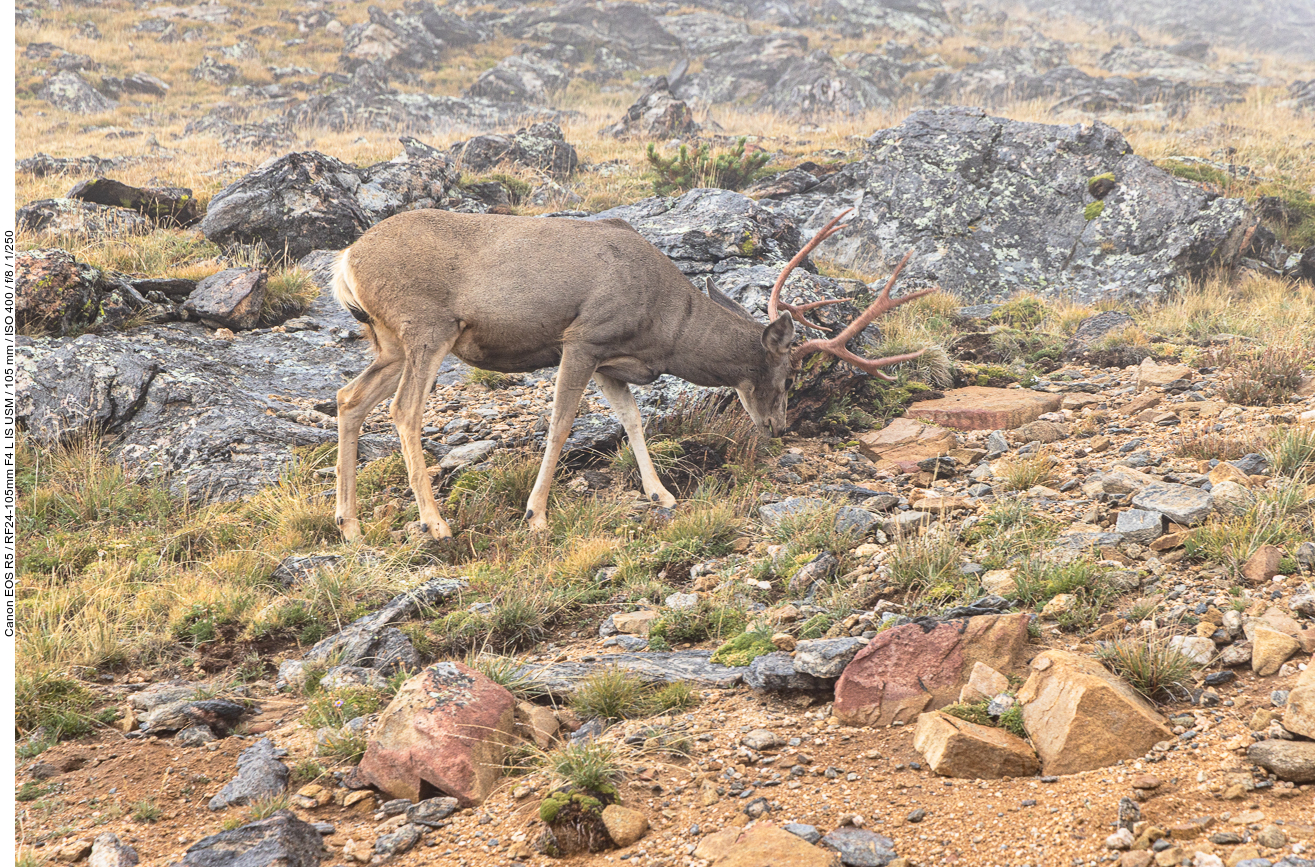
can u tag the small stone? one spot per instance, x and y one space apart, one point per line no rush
1263 565
1270 649
784 641
624 826
762 739
1120 840
1139 526
1272 837
1180 503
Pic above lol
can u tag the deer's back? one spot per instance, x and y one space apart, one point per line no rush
517 284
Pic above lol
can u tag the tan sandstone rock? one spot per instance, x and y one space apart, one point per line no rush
904 442
624 825
762 845
982 408
958 748
984 682
1270 649
1081 717
1299 715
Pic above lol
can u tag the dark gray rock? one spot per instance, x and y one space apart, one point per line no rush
69 91
826 658
819 86
984 191
856 522
260 774
541 146
166 206
267 135
561 679
1181 503
431 811
771 514
521 78
54 293
64 217
371 642
40 165
289 207
623 29
1252 464
232 298
282 840
397 842
656 114
860 848
775 672
807 833
745 70
369 102
188 407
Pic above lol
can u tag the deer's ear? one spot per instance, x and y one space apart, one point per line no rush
723 300
778 336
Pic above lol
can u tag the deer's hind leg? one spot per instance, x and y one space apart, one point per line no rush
355 400
622 401
424 355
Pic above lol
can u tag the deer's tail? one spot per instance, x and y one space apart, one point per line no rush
344 291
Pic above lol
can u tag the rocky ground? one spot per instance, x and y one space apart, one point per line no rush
1045 599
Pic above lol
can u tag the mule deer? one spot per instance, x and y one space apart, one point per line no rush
515 294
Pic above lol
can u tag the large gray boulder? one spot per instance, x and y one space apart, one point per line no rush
306 201
993 206
369 102
626 30
521 78
71 92
186 405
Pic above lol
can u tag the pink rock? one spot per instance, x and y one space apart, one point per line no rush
911 669
981 408
447 729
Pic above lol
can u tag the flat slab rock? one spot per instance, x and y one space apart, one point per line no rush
282 840
980 408
904 442
562 678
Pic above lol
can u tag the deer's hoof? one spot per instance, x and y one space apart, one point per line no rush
664 499
440 530
351 529
538 522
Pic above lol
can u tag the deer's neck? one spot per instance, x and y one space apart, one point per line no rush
716 349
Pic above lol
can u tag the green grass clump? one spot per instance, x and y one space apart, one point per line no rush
703 621
146 811
976 712
59 705
1020 473
616 694
507 672
928 569
1148 663
1291 450
334 709
593 766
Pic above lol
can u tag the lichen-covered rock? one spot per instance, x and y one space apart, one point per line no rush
231 298
993 206
71 92
368 101
521 78
296 204
818 85
626 30
541 146
57 217
656 114
54 292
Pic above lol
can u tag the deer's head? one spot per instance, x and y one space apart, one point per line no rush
764 397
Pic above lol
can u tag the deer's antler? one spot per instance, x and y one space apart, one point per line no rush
836 345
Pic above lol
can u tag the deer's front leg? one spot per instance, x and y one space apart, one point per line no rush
572 377
623 404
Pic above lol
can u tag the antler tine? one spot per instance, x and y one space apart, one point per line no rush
883 304
774 302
